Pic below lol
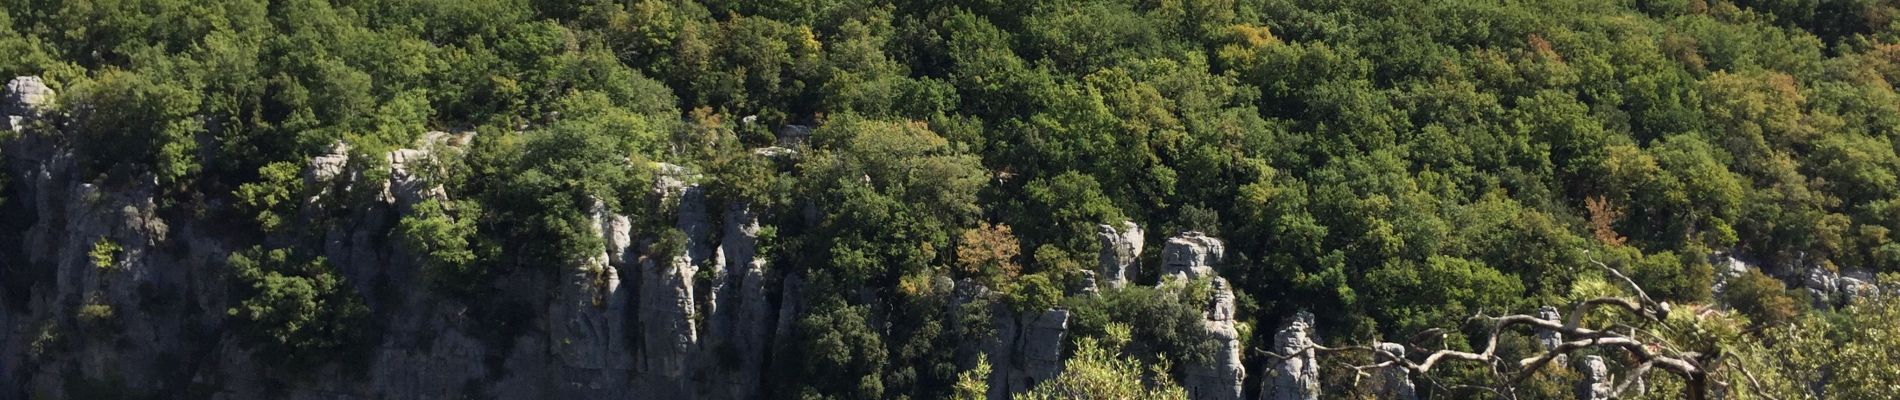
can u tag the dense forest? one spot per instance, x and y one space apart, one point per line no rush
294 198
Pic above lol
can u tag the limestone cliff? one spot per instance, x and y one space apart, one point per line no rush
149 316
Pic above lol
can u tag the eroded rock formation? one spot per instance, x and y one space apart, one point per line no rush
625 322
1549 339
1026 350
1191 255
741 313
26 98
1393 382
1595 380
1223 378
1121 253
1297 376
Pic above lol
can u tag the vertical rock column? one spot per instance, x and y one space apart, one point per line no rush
1394 382
1121 253
1026 350
669 328
741 316
1193 256
1595 384
1222 379
1550 339
587 319
1297 376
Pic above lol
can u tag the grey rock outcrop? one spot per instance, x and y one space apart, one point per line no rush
150 321
27 94
1026 350
1191 255
741 314
666 312
588 319
86 295
1549 339
1854 287
1595 381
1090 286
1297 376
406 186
1821 285
1830 289
1393 382
1727 269
1224 377
27 97
668 309
1121 253
324 169
94 310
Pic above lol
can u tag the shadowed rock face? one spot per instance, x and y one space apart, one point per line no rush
1548 338
1595 381
1026 349
741 314
588 318
609 325
1121 253
1393 381
1296 377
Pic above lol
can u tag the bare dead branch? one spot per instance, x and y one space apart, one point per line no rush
1634 376
1752 382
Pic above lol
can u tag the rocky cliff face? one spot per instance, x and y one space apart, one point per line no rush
150 318
742 313
633 320
1027 349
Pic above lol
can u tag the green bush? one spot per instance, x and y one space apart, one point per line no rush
1764 299
1166 324
296 310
